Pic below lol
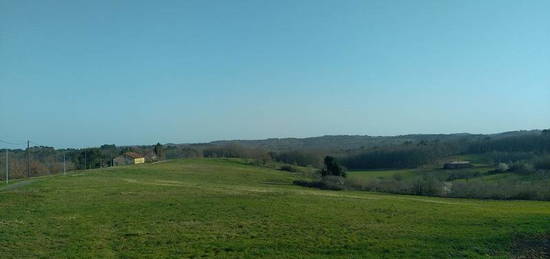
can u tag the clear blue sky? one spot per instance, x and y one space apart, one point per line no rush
84 73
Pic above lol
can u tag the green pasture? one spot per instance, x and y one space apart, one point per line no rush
227 208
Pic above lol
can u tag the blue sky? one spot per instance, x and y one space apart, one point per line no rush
84 73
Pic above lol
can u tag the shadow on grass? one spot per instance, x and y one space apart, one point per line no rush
531 246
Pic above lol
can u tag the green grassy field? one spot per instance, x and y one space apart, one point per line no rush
226 208
479 173
381 174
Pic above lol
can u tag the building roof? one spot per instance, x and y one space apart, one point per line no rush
133 155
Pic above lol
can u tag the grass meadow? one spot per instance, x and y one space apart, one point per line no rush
227 208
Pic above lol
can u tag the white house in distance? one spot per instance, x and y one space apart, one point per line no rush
129 158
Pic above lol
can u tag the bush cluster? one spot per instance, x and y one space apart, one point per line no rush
288 168
427 186
324 185
543 163
479 189
502 190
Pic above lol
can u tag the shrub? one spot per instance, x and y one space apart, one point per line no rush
522 167
427 186
462 175
356 184
504 190
333 180
543 163
477 188
506 157
502 167
288 168
318 184
333 168
397 177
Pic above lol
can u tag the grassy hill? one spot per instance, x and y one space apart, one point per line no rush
226 208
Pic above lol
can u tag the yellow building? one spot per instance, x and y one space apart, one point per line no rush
129 158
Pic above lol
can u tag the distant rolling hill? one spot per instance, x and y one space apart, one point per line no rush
345 142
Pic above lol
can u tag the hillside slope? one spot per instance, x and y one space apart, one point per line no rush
344 142
195 208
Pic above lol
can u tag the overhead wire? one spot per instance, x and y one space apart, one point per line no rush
12 143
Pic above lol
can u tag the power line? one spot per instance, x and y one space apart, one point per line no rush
27 155
12 143
37 144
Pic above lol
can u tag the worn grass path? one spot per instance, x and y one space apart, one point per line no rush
16 185
225 208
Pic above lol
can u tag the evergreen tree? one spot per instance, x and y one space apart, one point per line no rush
159 151
332 168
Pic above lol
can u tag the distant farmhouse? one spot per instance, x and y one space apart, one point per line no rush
129 158
458 165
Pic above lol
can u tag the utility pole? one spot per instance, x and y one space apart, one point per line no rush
28 160
7 168
64 163
85 160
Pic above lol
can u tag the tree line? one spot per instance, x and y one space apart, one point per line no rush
408 152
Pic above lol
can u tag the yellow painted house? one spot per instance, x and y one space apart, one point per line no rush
129 158
135 157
